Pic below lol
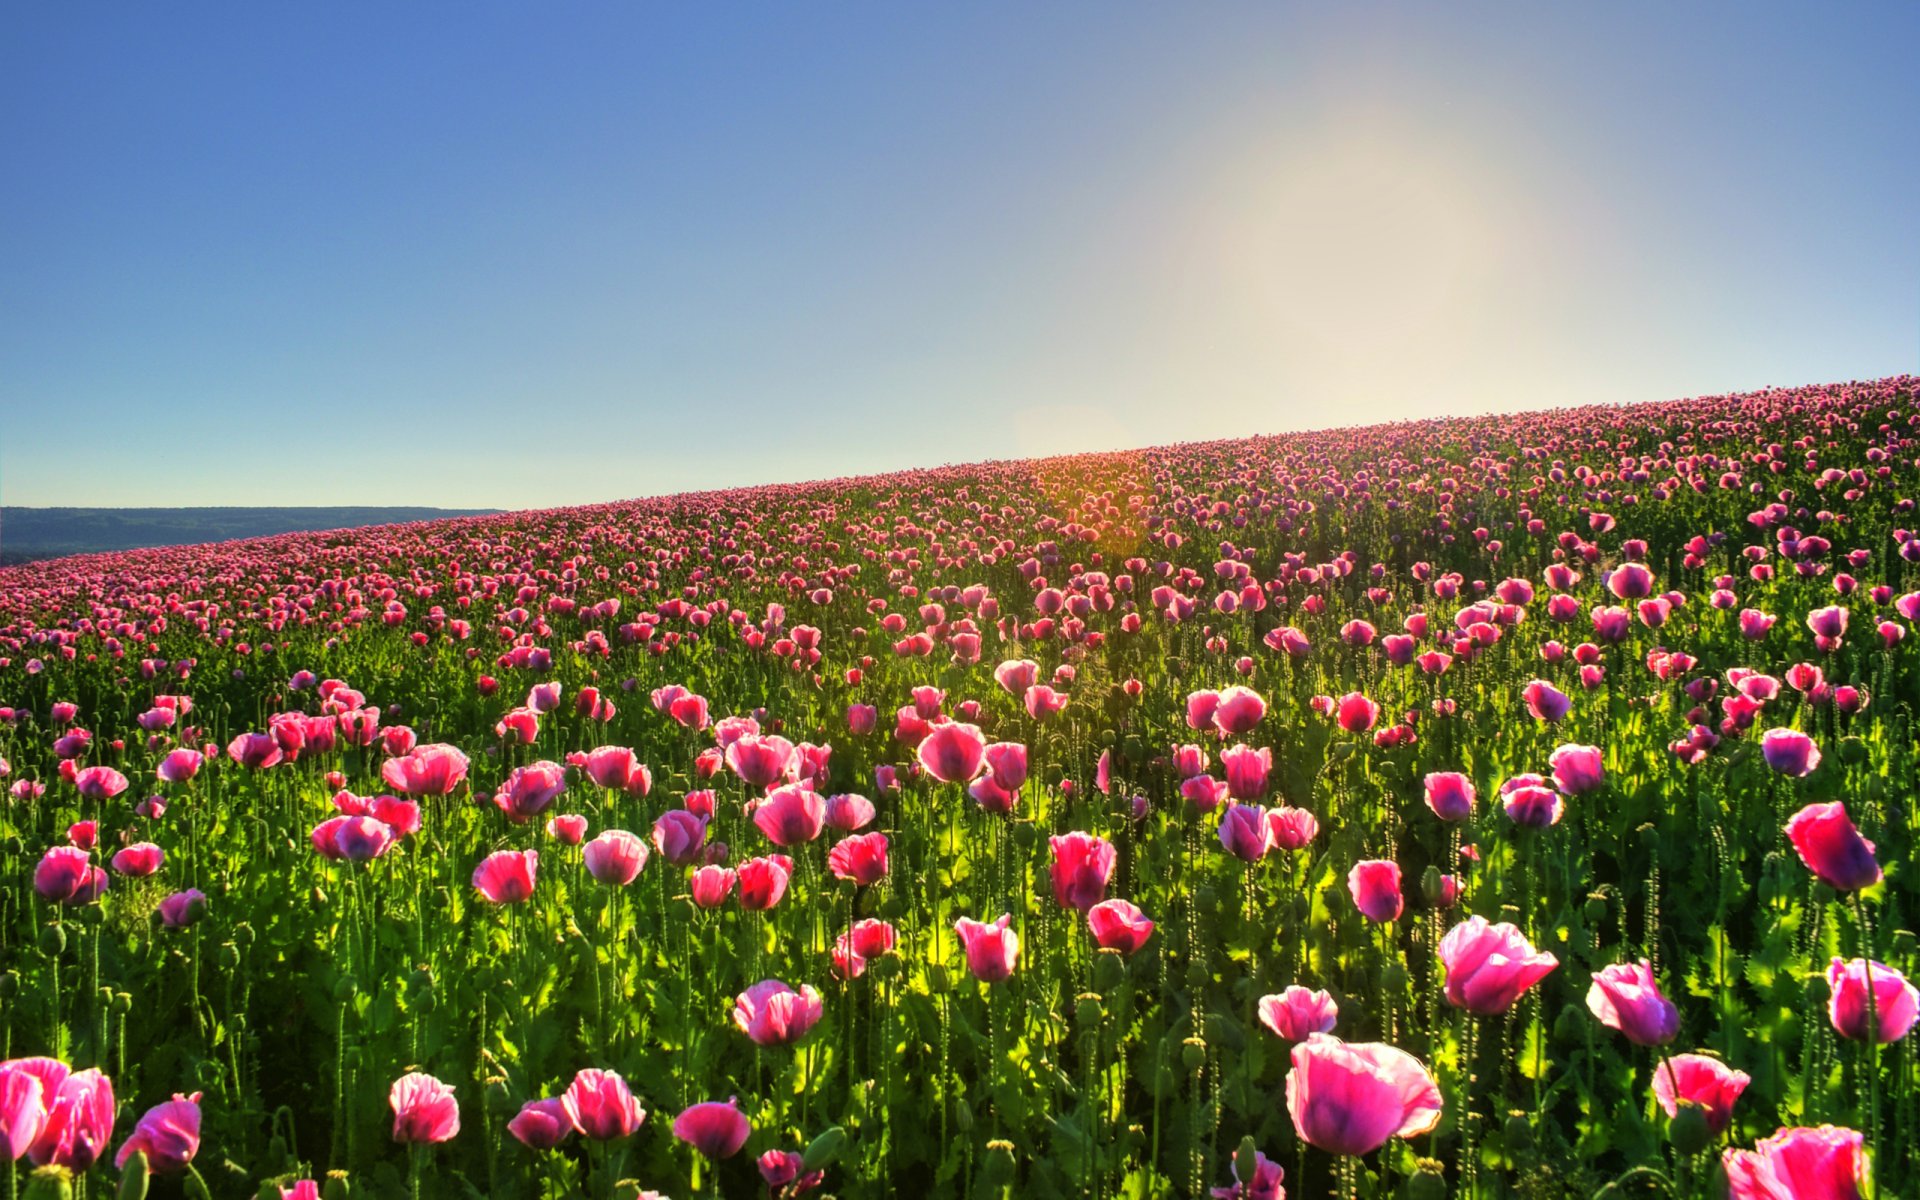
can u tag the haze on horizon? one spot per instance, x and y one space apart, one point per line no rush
493 256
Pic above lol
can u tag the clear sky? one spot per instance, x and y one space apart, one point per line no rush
533 254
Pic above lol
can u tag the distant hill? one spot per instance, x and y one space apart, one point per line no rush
29 534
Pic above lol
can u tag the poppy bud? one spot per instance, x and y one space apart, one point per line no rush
50 1183
822 1150
53 939
133 1178
499 1097
996 1171
1193 1052
1519 1133
1688 1131
1428 1182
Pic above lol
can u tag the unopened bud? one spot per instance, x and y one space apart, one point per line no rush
1519 1133
822 1150
997 1168
1688 1131
1193 1052
1428 1182
49 1183
133 1177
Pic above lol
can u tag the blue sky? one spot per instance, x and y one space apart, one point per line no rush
519 255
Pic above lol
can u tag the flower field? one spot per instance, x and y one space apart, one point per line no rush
1515 806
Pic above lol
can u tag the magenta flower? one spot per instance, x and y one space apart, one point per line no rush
1349 1098
424 1109
601 1106
530 790
1118 925
1546 702
79 1116
1489 966
257 750
679 835
773 1014
615 768
786 1169
1699 1080
1824 1163
1356 713
1826 840
1375 886
1626 997
761 761
1450 795
792 815
616 857
1082 864
1577 769
182 909
66 875
434 769
1528 801
1237 710
168 1133
1887 1017
861 858
1246 770
849 812
354 839
1790 752
1297 1013
953 752
542 1124
992 950
179 766
712 884
138 860
23 1101
100 783
717 1130
763 881
1204 792
506 876
1245 833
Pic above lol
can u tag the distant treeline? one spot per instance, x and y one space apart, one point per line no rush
30 534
